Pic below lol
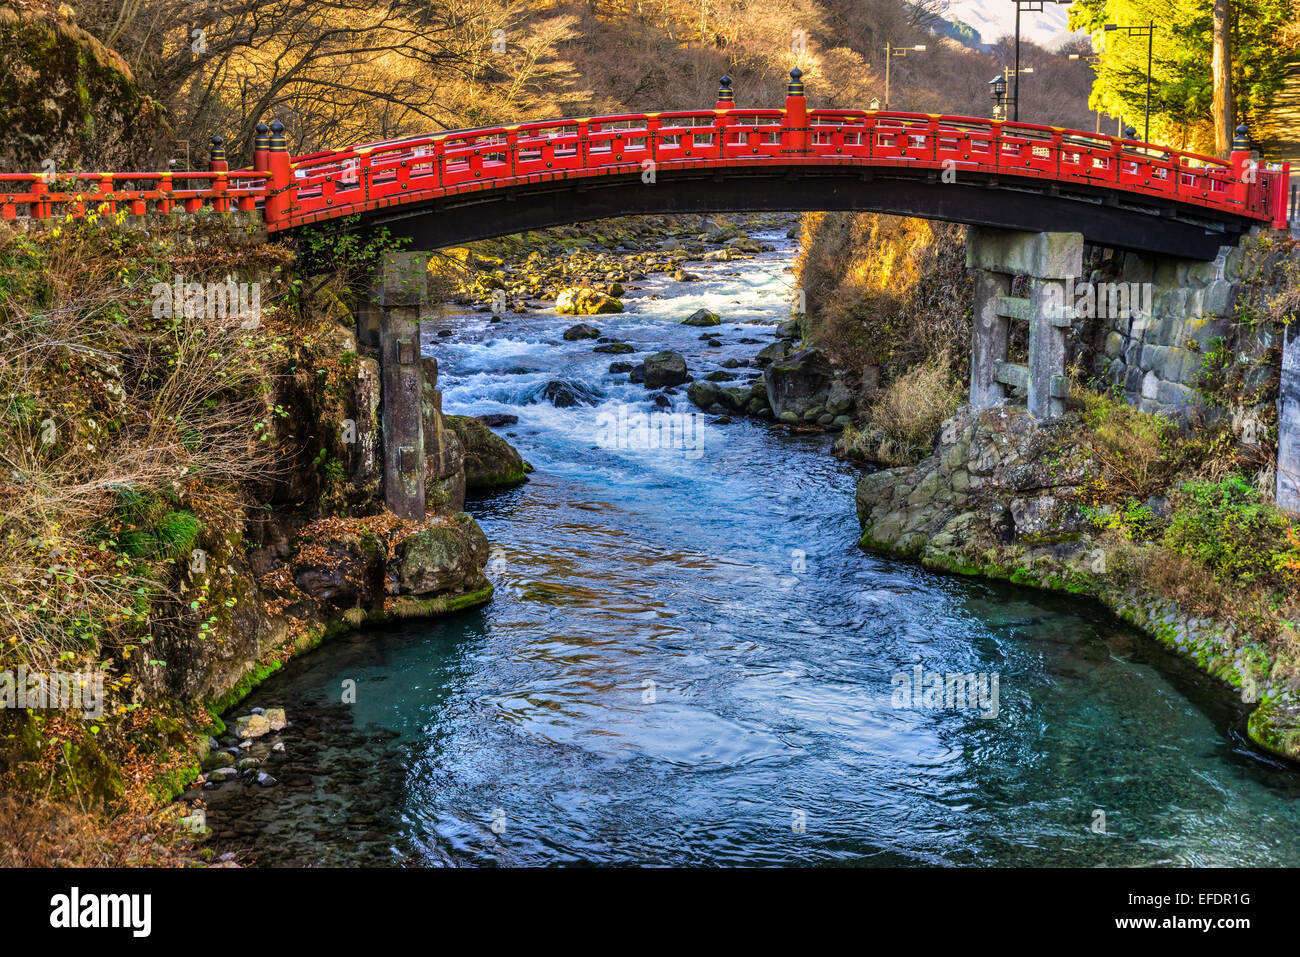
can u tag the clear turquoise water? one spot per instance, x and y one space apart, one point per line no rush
520 734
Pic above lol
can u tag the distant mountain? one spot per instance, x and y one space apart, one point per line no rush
992 19
962 32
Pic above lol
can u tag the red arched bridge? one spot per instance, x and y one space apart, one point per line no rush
472 184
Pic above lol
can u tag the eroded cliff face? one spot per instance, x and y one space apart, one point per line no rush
70 101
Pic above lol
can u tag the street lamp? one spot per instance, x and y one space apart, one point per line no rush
1029 6
998 90
890 53
1148 31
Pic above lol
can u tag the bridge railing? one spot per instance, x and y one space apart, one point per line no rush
57 196
423 168
293 191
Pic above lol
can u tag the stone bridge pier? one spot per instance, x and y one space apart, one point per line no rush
1288 424
1050 261
420 459
1173 313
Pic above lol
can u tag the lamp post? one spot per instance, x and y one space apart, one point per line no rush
1029 6
1148 31
998 89
890 53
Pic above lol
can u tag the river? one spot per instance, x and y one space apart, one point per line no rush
688 661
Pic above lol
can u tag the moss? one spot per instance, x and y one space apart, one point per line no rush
1275 730
243 687
412 607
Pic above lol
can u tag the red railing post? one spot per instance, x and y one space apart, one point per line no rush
164 193
794 132
1281 181
280 192
217 164
40 209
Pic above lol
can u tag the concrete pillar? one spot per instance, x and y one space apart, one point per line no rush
989 333
1288 425
1048 323
400 291
998 256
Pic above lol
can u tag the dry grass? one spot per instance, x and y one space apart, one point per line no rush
109 406
885 291
905 417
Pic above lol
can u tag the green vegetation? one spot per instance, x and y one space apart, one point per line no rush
1182 85
1228 527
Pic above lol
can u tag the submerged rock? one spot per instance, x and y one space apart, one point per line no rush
490 461
564 395
252 726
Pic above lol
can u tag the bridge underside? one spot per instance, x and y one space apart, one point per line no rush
1131 222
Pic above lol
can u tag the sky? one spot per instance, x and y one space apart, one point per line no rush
994 18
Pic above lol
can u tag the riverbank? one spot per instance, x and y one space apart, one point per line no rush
191 500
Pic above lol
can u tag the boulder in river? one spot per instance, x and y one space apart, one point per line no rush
581 331
702 317
703 393
497 419
665 368
584 301
798 384
620 367
615 348
490 461
443 558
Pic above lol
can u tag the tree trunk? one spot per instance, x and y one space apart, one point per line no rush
1221 65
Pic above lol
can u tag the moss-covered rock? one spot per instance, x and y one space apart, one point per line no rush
490 461
71 100
1001 497
443 559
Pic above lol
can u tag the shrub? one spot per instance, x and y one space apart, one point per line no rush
1229 528
911 409
1136 450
